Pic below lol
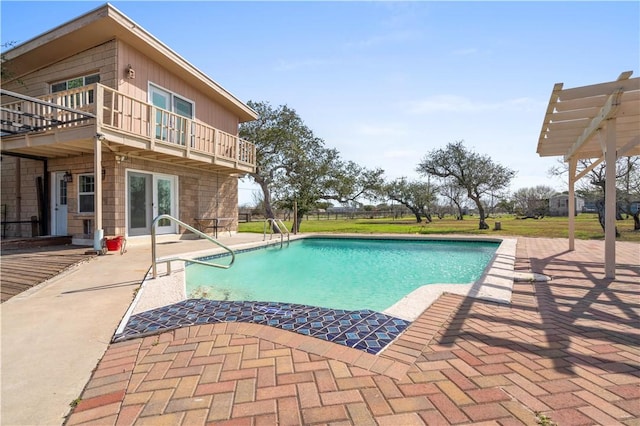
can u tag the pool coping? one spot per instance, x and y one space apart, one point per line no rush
494 285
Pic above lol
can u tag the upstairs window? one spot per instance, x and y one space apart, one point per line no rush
170 101
169 127
75 83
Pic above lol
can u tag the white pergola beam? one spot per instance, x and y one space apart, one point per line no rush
553 99
607 111
588 169
622 151
602 89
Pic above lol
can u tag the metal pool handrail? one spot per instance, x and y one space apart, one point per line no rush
277 223
155 260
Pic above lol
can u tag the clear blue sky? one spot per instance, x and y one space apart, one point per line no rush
386 82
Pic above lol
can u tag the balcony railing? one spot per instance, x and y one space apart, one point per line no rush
126 114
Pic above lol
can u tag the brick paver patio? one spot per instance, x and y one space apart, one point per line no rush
567 349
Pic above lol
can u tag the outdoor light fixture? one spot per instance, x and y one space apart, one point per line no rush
131 73
104 174
68 177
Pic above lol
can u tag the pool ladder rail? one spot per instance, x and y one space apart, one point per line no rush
155 261
279 226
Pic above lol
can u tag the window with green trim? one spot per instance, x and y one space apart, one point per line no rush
74 83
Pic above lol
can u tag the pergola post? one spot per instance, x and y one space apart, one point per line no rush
598 122
610 204
573 165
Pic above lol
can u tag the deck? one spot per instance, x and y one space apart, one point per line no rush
65 124
24 268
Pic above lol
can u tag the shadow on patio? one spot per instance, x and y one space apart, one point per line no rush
566 346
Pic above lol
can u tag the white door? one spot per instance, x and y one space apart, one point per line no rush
164 202
149 196
59 204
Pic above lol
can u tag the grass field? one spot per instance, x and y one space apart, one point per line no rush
587 227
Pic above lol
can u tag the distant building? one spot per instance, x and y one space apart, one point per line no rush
559 205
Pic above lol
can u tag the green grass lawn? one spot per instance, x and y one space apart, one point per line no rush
587 227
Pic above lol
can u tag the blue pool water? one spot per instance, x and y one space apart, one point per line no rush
341 273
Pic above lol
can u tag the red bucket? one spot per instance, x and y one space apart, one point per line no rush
114 244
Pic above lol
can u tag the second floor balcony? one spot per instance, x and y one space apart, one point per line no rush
64 124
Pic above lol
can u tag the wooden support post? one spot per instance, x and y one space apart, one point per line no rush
610 201
97 199
573 163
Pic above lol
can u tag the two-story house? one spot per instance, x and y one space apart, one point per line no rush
104 128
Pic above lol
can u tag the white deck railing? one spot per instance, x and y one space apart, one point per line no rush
126 114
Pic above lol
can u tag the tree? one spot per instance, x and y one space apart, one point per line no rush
322 175
294 165
627 185
451 191
5 73
277 133
476 174
532 202
630 189
414 195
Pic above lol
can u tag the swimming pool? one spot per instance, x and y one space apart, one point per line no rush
342 273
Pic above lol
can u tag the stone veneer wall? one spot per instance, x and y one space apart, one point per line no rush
201 193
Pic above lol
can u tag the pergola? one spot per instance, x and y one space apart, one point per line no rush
599 122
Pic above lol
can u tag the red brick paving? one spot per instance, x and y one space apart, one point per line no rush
568 349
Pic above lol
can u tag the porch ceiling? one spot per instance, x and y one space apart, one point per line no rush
54 145
575 117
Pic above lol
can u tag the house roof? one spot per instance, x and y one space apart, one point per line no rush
107 23
576 116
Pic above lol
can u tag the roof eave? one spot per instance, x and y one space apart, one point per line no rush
103 24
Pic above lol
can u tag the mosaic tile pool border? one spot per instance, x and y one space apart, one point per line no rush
363 329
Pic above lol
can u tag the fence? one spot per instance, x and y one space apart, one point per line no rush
19 228
328 215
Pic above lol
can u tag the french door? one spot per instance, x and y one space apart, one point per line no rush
148 196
